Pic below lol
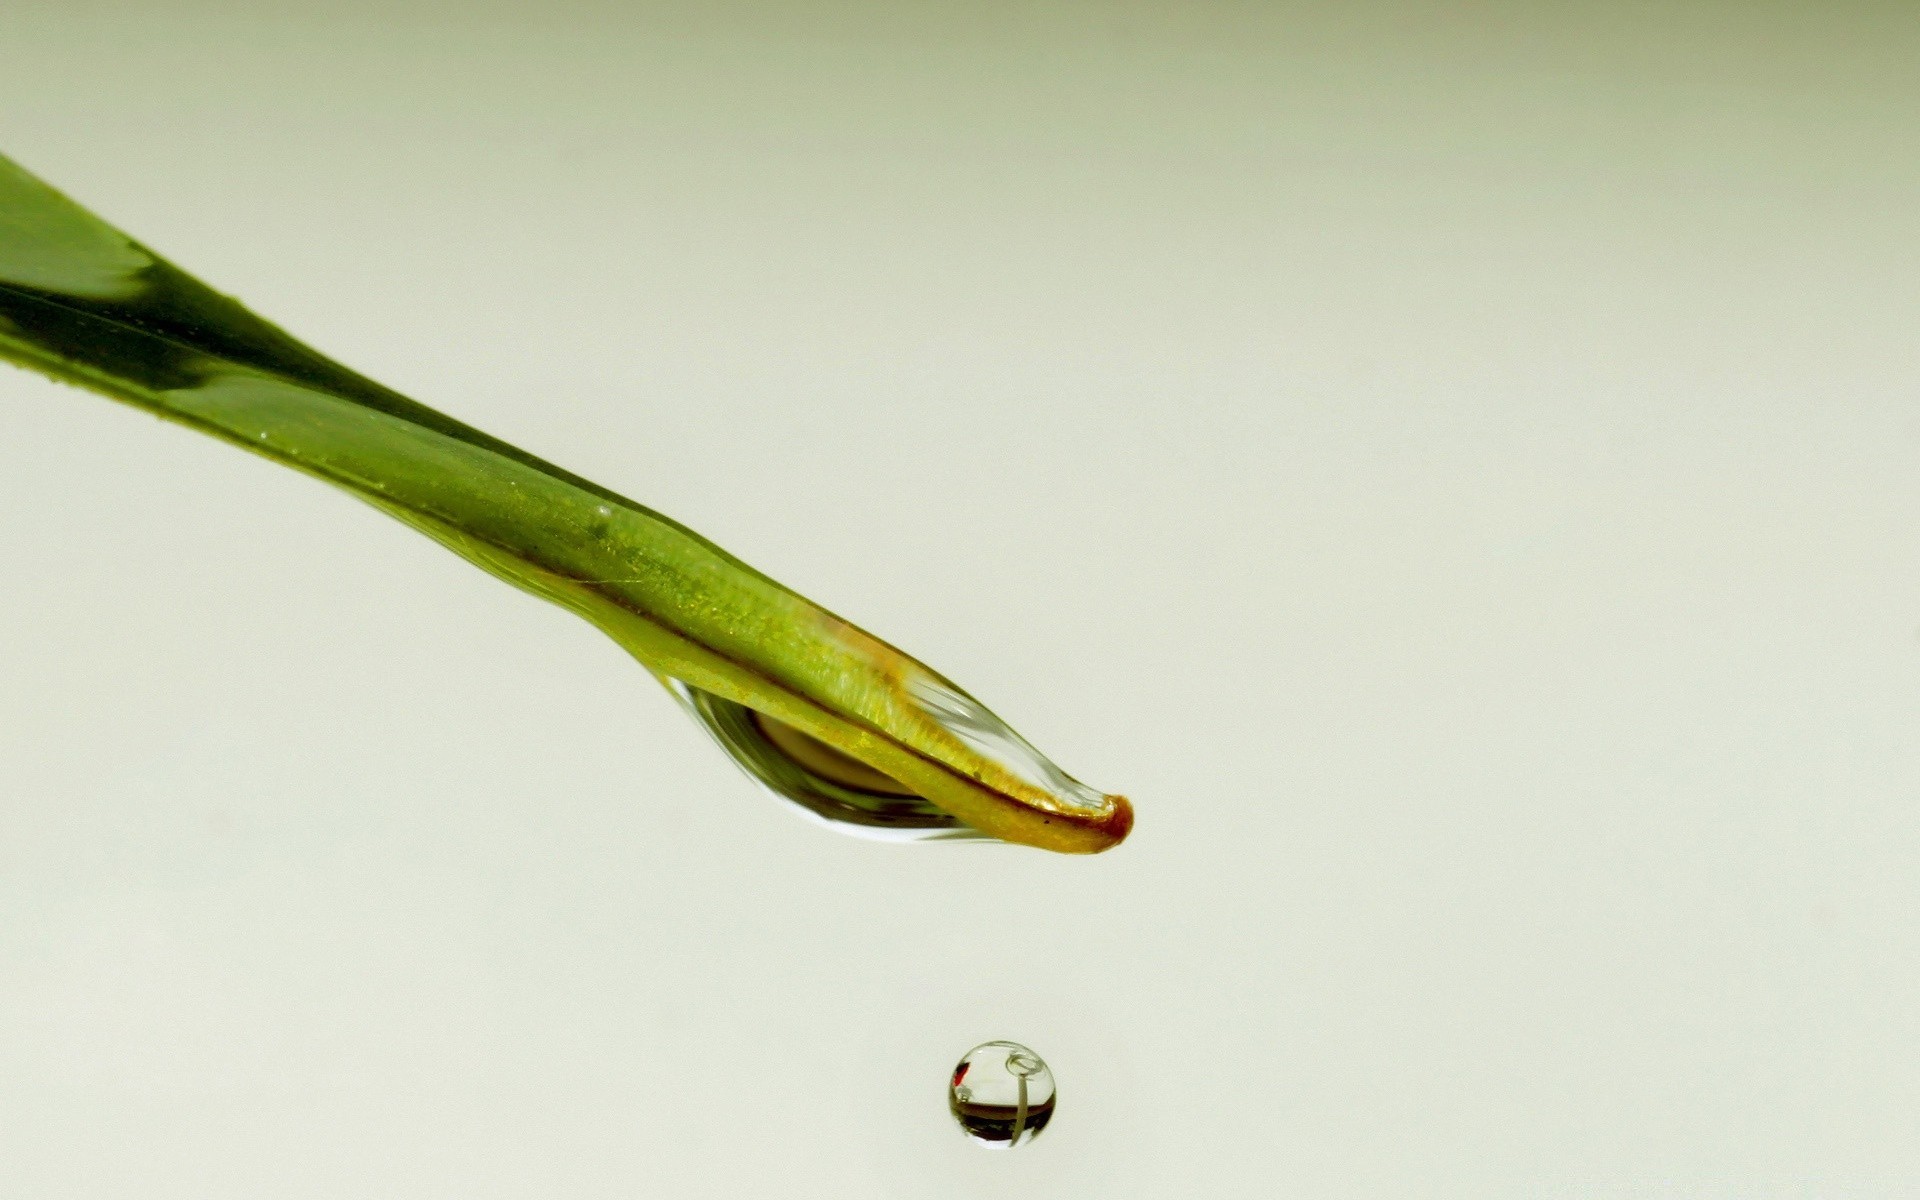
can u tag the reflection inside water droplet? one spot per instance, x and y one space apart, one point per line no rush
1002 1094
844 793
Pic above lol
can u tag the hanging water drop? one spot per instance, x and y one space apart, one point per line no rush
1002 1094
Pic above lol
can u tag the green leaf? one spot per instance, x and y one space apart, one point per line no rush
820 711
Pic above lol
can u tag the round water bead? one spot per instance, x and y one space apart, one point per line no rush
1002 1094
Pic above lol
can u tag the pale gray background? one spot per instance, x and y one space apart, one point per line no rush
1454 468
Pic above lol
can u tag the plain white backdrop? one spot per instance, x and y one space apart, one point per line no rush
1456 472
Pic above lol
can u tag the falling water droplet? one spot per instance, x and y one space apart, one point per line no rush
1002 1094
